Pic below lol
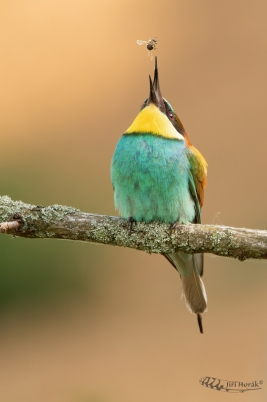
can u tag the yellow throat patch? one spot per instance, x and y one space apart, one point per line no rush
151 120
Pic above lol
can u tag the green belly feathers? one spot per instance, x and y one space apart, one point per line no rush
150 178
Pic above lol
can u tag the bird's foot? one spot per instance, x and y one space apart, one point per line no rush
131 221
174 227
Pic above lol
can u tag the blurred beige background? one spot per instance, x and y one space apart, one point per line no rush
85 323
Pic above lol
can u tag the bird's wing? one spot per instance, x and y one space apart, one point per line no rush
194 195
198 171
197 183
197 258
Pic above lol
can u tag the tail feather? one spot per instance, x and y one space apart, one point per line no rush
193 289
193 286
199 321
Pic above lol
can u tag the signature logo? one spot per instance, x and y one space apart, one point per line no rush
230 386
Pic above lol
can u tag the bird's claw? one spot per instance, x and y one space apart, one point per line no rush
131 221
174 227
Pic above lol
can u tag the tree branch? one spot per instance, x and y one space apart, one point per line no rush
61 222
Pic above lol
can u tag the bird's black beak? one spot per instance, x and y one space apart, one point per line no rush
156 77
155 94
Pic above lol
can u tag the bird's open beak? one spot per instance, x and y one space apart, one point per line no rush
155 94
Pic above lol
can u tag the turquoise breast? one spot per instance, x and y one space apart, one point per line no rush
150 177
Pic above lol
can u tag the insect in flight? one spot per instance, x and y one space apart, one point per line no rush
150 44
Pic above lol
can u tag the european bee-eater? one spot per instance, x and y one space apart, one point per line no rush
158 175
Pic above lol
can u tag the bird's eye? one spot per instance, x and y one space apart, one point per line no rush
171 115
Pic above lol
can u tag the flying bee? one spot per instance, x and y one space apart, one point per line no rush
150 45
